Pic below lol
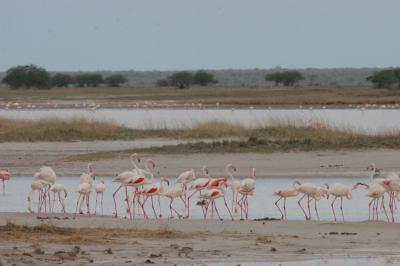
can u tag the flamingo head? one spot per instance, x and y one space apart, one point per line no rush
205 169
135 157
253 173
387 182
231 167
165 180
102 180
371 167
151 163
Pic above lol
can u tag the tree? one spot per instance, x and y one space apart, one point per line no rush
203 78
115 80
287 78
181 80
61 80
385 78
27 76
89 80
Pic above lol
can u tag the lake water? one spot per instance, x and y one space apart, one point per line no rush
371 120
260 205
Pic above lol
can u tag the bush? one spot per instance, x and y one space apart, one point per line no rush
115 80
287 78
62 80
385 78
181 80
89 80
27 76
203 78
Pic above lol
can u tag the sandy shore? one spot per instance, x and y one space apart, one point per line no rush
25 158
190 241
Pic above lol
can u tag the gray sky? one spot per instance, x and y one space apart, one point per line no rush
193 34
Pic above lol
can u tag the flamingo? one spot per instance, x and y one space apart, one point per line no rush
47 174
5 175
198 185
213 194
339 191
285 193
246 188
172 194
235 186
375 192
309 190
392 186
100 188
58 188
184 178
84 188
38 185
155 190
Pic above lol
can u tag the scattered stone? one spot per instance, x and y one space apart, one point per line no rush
266 219
333 233
348 234
148 261
273 249
175 246
108 251
185 250
302 250
155 256
27 254
15 248
67 255
38 251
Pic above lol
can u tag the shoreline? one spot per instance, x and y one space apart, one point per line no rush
194 241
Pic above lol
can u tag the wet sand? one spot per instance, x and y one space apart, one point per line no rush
25 158
110 241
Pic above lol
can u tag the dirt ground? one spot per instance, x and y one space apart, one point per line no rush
25 158
50 240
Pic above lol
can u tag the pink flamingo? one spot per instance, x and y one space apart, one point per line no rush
309 190
375 192
392 186
285 193
40 186
235 186
198 185
213 194
5 175
57 189
154 190
84 188
100 188
340 191
172 194
185 178
247 187
47 174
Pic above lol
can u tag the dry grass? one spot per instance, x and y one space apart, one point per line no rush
54 234
326 95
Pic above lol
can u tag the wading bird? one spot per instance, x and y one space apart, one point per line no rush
57 189
5 175
339 191
100 188
285 193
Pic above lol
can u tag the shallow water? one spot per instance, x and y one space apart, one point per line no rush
260 205
370 121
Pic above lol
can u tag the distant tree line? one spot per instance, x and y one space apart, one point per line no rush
287 78
387 78
184 79
32 76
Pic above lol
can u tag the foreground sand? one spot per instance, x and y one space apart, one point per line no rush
25 158
109 241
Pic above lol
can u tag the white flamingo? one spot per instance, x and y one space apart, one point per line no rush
57 189
100 188
285 193
198 185
47 174
246 188
5 175
40 186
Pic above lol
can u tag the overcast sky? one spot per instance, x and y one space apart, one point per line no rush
194 34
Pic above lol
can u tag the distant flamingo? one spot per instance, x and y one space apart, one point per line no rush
376 192
285 193
57 189
40 186
84 189
235 186
155 190
100 188
172 194
47 174
247 187
213 194
198 185
309 190
339 191
5 175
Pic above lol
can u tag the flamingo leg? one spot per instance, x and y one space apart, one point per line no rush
315 207
159 205
77 203
333 208
115 203
369 210
152 206
299 202
102 213
4 187
188 202
173 209
61 202
384 209
216 210
95 209
308 206
276 204
341 207
226 205
284 207
142 206
376 208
